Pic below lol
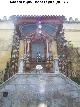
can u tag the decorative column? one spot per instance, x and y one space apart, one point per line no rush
47 50
21 65
56 66
28 45
54 49
25 46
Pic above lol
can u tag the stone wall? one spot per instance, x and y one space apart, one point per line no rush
6 38
72 33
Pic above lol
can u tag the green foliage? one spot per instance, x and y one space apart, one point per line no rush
1 82
76 79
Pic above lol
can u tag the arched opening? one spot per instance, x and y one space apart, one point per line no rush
40 49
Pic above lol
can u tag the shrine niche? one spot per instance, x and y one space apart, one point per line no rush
39 39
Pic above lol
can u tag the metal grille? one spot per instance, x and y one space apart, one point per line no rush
38 48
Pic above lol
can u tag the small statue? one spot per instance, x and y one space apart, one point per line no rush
39 57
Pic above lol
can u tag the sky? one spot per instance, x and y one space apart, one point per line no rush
70 9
